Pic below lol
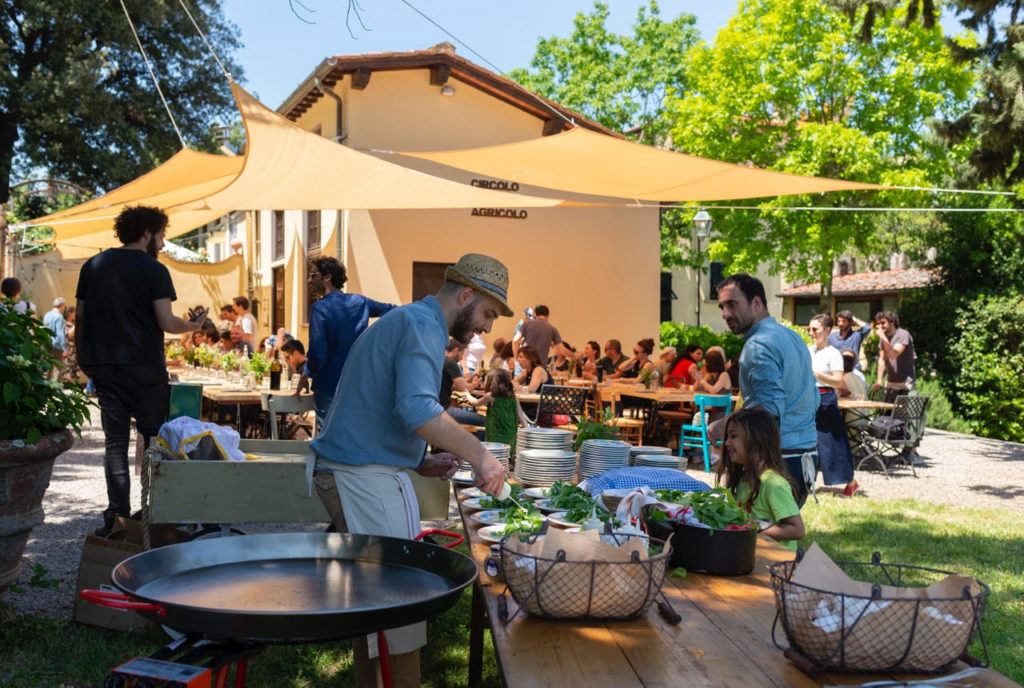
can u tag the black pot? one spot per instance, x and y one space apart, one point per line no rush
708 550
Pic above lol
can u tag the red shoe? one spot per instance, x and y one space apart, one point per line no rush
850 488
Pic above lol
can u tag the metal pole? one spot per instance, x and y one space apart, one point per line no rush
3 240
700 274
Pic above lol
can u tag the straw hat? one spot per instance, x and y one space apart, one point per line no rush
484 274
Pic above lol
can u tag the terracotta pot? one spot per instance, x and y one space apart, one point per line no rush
24 476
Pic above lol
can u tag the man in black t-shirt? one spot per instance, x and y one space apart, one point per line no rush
124 307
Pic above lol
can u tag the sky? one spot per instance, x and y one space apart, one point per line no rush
280 50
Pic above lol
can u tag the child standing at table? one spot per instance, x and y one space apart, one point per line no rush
753 469
504 414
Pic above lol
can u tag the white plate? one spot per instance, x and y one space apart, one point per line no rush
488 518
474 504
537 492
463 478
472 492
557 518
488 533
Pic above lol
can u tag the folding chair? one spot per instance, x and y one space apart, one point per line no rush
891 446
695 436
561 400
284 404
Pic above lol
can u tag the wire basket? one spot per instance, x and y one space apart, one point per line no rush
843 632
586 590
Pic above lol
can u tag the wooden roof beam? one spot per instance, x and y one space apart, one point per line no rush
361 78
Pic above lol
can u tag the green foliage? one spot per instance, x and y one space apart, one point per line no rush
620 81
78 100
29 204
989 355
600 428
789 86
940 414
679 335
32 406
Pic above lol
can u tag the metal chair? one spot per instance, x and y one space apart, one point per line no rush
561 400
284 404
893 446
695 436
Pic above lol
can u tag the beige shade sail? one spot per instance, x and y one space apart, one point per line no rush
187 175
289 168
586 162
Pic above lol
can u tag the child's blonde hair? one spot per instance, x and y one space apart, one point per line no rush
763 452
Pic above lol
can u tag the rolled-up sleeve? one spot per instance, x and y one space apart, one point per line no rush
417 379
764 370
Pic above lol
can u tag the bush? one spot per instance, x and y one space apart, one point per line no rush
990 360
679 335
940 412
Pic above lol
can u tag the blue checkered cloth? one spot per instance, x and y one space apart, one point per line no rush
644 476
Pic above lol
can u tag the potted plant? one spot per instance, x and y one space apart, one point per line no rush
36 419
259 365
646 375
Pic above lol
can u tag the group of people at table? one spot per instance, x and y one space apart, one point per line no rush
377 392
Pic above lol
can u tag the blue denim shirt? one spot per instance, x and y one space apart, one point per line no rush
54 320
335 322
775 374
852 342
388 389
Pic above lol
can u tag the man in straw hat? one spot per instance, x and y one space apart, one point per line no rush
384 414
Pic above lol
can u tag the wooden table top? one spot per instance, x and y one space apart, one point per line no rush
724 638
865 404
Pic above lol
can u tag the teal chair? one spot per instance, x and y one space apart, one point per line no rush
185 400
695 436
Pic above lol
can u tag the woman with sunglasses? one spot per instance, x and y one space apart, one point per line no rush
833 444
642 350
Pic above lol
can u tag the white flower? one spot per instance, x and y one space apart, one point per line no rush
18 361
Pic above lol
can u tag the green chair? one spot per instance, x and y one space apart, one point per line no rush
695 436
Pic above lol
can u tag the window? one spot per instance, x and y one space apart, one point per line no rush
278 235
715 275
312 229
667 296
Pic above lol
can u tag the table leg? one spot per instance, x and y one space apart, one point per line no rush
476 636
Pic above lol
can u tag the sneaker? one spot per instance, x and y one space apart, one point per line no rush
850 489
915 459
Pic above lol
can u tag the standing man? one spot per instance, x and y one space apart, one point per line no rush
124 307
335 321
54 321
246 320
385 413
895 356
849 334
775 374
541 335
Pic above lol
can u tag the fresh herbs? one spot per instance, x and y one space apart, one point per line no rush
715 509
577 504
523 522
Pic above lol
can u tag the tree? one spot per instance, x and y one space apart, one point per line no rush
78 100
789 86
620 81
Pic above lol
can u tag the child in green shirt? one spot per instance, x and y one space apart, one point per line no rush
753 469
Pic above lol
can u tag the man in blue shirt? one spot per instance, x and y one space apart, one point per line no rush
335 321
775 374
54 321
385 412
849 334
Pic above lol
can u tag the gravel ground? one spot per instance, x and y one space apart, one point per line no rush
958 470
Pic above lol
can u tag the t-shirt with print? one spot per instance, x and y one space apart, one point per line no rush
775 501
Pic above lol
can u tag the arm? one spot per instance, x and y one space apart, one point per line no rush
831 379
317 341
377 308
524 420
80 327
168 321
443 432
892 351
791 528
459 384
537 378
482 401
763 365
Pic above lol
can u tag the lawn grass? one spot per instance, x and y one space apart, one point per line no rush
987 544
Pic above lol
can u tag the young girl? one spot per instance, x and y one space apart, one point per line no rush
754 471
504 414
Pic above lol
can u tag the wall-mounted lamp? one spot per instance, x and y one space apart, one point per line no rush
447 90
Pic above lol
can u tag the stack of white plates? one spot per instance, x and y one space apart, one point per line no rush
543 438
660 461
598 456
636 451
500 450
545 466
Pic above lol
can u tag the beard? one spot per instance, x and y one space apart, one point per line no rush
462 328
151 250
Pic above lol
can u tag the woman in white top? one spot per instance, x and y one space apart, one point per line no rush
833 444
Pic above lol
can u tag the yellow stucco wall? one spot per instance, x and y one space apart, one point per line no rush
597 269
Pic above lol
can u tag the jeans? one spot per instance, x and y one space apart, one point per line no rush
801 474
125 392
466 416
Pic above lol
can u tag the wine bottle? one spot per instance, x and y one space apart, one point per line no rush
275 372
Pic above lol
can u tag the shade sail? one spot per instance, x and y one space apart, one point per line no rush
186 176
289 168
586 162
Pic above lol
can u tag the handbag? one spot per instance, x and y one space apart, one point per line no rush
887 427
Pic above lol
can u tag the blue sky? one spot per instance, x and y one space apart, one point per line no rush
281 50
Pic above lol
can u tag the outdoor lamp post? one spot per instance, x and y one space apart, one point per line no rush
702 223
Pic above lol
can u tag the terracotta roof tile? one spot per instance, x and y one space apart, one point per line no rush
870 282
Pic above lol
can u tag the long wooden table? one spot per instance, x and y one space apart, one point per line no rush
724 638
